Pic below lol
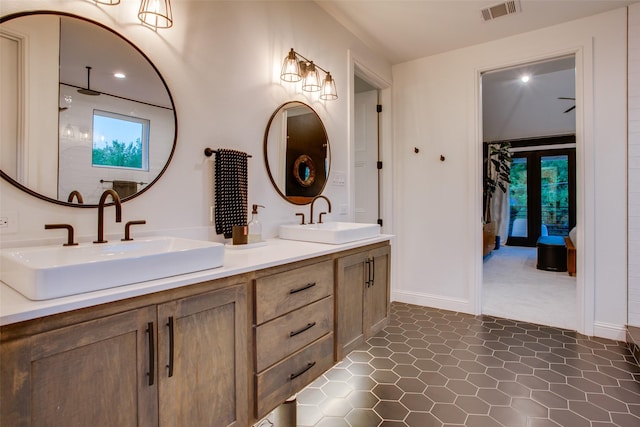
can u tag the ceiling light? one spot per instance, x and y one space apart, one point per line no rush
296 67
156 13
119 75
525 78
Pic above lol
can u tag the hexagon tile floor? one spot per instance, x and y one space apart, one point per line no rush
437 368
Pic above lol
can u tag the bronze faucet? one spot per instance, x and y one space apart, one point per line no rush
103 199
69 229
313 201
77 195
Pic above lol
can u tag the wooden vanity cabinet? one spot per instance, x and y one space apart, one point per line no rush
362 296
293 329
173 362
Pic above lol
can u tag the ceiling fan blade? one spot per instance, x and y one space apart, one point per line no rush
566 111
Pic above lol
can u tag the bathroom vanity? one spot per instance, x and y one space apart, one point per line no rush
220 347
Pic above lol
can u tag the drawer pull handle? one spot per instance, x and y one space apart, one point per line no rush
152 355
304 288
171 345
305 369
301 330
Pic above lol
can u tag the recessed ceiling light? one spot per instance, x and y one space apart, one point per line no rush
525 78
119 75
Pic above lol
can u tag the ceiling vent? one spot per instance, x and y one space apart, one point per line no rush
502 9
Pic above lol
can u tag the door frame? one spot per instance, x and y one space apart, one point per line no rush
386 174
585 184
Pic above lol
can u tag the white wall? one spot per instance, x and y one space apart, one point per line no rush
438 214
221 61
634 165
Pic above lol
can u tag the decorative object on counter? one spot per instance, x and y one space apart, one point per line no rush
230 171
69 229
296 67
240 234
127 229
255 227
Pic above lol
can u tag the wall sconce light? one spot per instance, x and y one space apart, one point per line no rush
153 13
296 67
156 13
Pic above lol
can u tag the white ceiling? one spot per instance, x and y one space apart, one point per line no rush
404 30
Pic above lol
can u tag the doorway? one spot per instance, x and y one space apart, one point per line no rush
523 105
366 152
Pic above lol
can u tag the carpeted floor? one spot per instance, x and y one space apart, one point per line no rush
513 288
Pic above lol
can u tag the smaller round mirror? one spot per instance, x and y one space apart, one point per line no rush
296 152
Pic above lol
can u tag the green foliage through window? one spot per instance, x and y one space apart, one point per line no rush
119 141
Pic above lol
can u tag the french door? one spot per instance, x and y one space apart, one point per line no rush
541 195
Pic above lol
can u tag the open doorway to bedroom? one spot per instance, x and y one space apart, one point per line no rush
529 110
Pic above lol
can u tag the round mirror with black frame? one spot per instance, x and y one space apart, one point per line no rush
296 152
82 110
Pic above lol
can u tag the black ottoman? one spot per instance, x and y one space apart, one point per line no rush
552 253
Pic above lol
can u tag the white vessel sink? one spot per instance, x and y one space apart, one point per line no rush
45 272
329 232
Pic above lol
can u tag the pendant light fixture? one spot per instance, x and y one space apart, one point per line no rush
296 67
156 13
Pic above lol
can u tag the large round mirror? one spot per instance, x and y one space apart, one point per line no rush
82 110
296 152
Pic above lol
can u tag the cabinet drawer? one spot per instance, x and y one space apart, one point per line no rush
284 292
288 377
287 334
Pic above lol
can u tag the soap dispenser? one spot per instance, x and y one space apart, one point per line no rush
255 227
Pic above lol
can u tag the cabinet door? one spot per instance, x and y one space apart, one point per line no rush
202 359
351 275
90 374
376 307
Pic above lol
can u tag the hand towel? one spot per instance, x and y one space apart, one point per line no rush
125 188
230 190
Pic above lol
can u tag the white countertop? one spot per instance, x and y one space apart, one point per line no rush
16 308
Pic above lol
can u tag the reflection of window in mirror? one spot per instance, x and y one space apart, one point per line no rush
120 141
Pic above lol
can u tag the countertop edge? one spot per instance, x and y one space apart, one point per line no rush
16 308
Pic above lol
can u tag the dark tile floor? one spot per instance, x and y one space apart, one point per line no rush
436 368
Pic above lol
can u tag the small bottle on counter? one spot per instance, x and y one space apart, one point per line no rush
255 227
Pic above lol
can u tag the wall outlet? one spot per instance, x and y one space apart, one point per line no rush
343 210
339 179
8 222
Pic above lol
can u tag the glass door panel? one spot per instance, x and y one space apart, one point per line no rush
518 198
554 194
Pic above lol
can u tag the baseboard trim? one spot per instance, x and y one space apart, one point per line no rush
610 331
426 300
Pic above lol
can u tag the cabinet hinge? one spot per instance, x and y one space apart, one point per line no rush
379 164
379 108
380 222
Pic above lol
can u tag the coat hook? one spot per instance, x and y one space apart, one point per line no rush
442 158
416 150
